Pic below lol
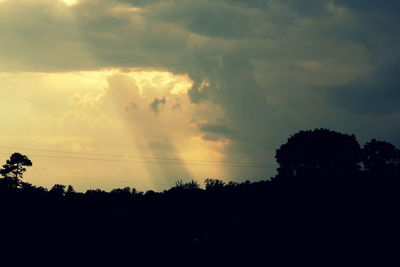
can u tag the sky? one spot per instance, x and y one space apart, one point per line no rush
142 93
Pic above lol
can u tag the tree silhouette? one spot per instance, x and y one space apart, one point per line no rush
14 169
126 191
318 152
189 186
214 184
58 190
381 158
70 190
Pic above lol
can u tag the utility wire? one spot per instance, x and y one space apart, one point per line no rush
132 156
223 163
151 162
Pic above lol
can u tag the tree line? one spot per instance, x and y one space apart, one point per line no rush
331 200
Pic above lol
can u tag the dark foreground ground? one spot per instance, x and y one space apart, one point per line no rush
330 222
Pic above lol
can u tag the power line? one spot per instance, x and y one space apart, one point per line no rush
132 156
151 162
179 161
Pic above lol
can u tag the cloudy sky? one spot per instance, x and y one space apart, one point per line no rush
113 93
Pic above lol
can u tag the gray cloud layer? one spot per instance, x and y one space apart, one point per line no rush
215 128
379 93
274 67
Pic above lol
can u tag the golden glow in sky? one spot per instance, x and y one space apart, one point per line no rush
137 115
69 2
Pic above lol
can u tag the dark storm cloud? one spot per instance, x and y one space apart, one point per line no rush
216 19
386 6
379 93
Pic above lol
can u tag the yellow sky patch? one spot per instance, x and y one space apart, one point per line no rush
69 2
107 112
